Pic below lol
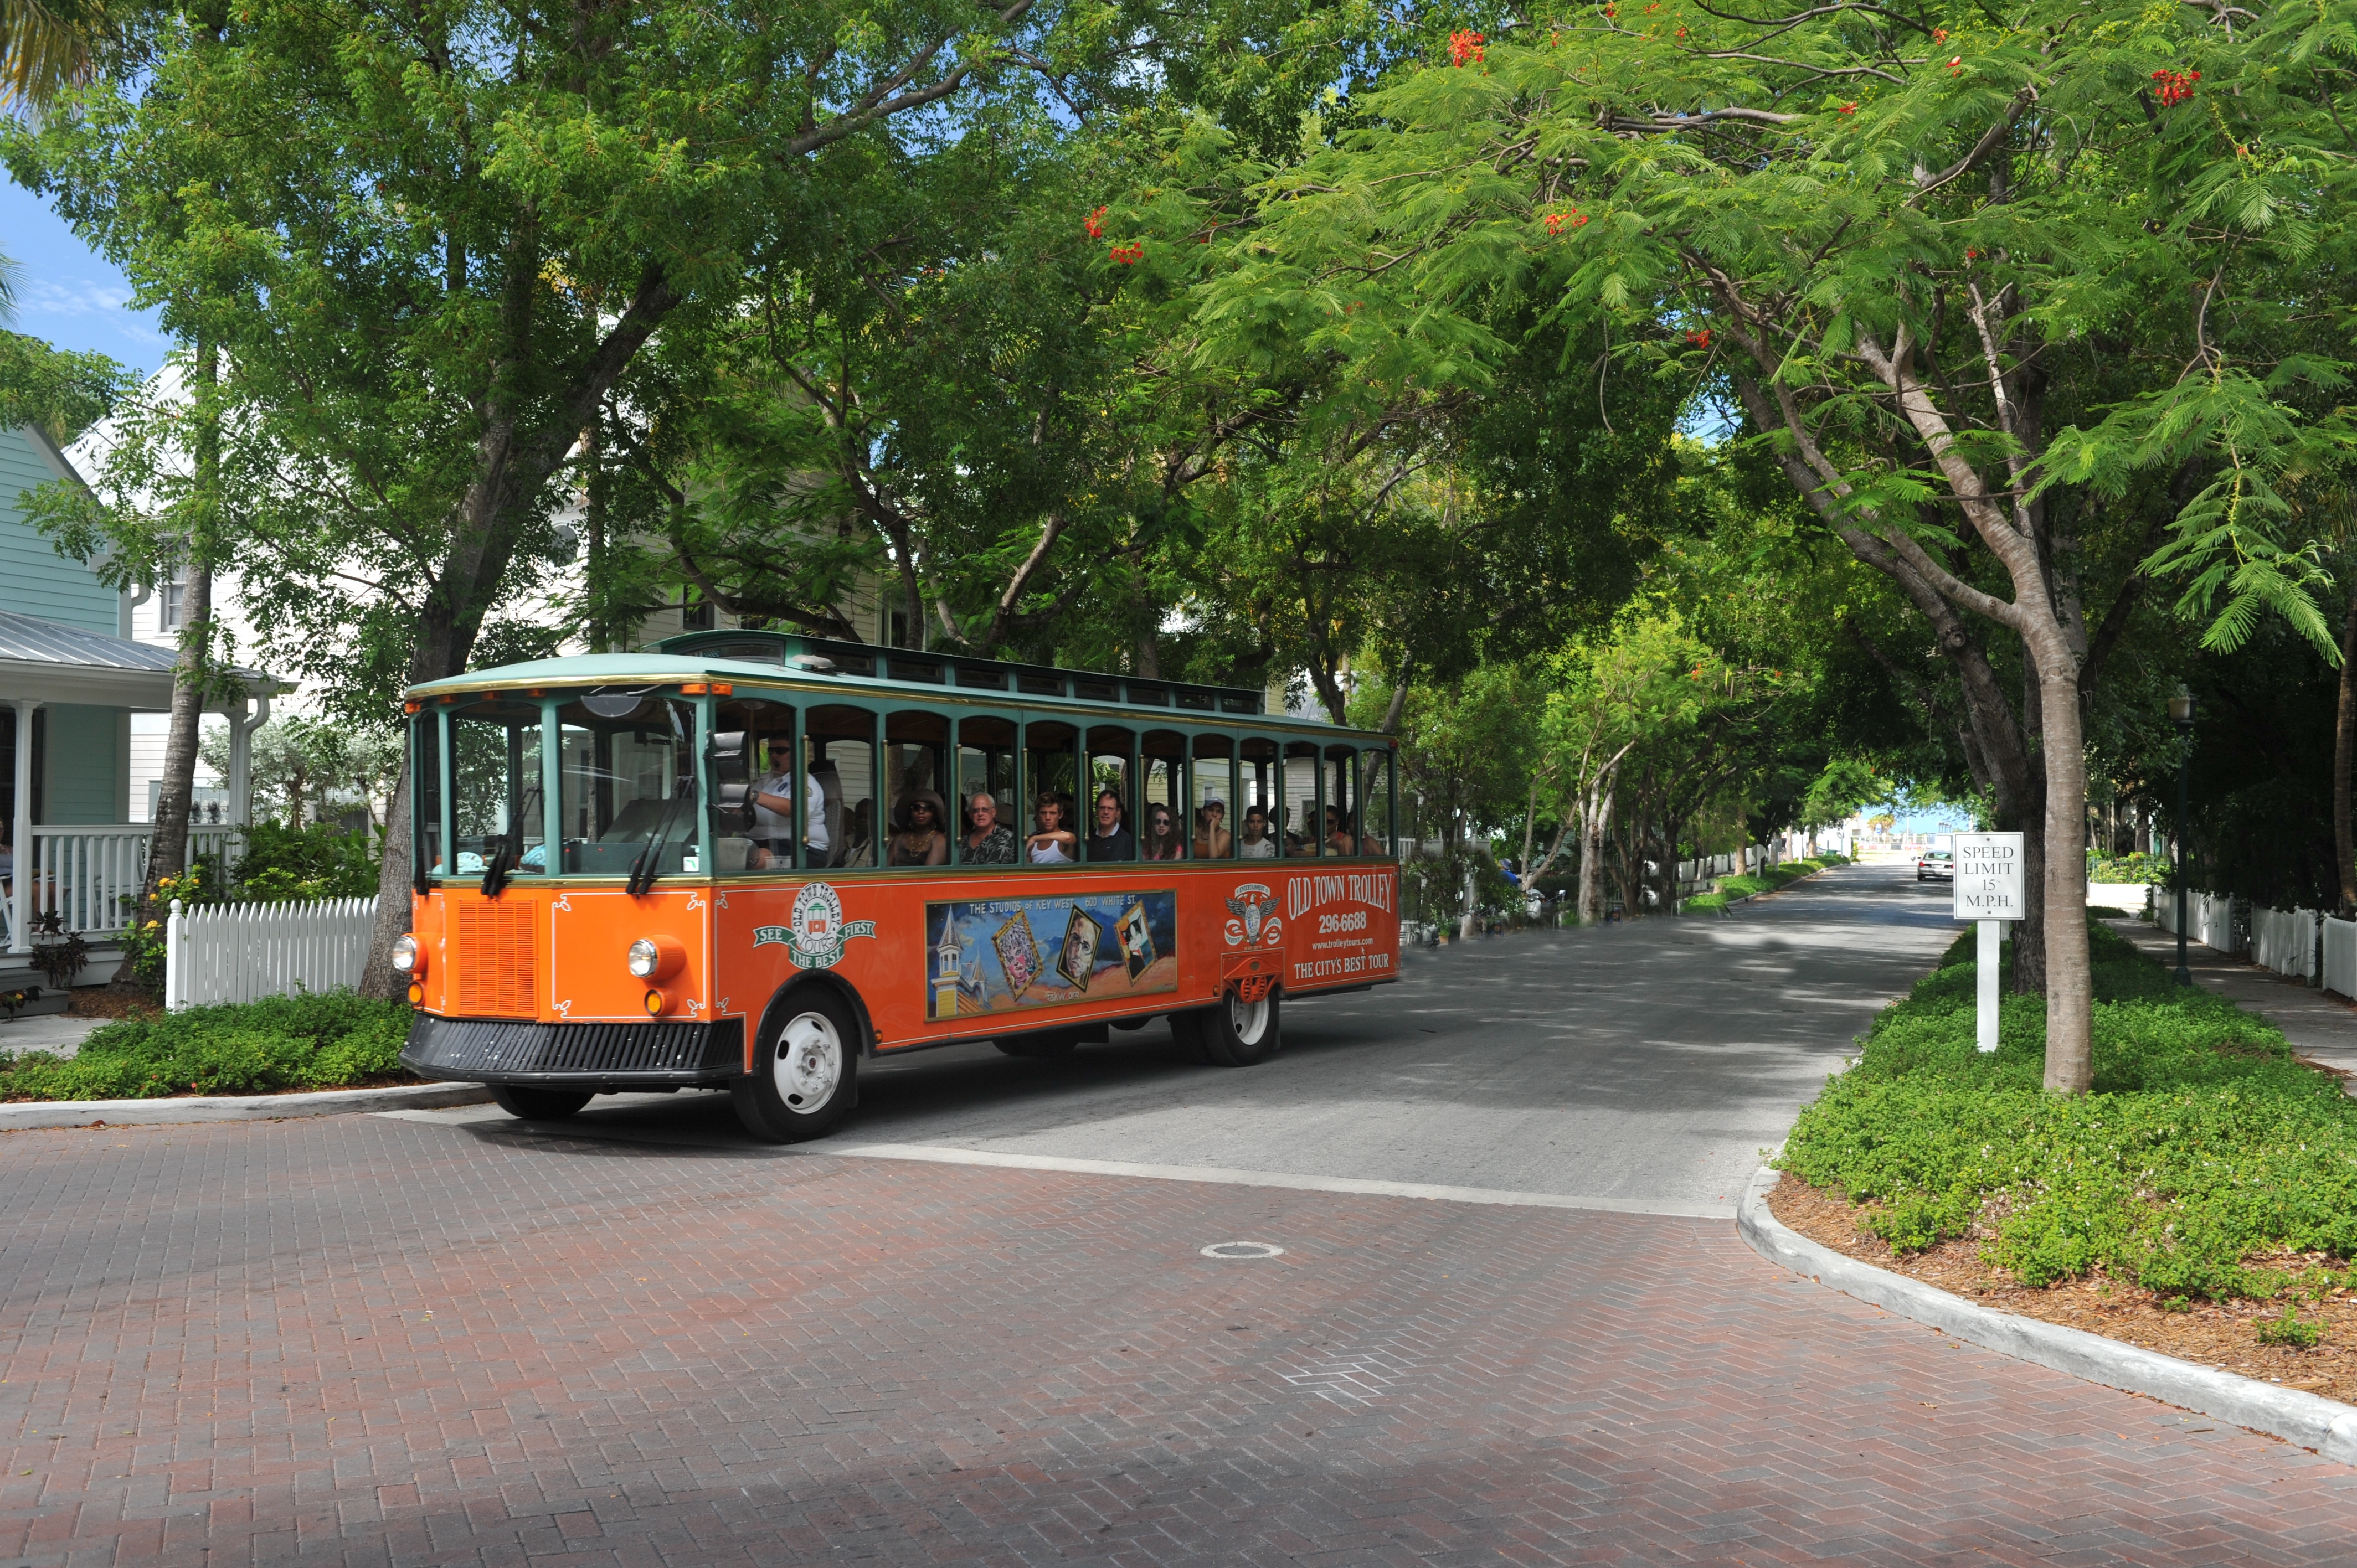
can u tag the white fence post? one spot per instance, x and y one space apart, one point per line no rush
176 950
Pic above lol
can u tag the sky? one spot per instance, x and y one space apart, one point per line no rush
66 294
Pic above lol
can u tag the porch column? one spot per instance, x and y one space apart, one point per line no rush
20 834
240 758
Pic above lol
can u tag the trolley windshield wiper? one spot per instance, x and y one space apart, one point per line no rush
649 865
495 874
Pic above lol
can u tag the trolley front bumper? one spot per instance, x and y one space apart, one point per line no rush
604 1057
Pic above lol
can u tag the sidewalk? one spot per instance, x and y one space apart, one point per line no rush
60 1033
2320 1028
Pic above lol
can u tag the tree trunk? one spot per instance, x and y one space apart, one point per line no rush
168 841
2344 745
1596 813
2027 817
394 911
2070 1066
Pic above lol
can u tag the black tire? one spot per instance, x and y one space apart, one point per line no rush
1039 1049
537 1104
1240 1033
1187 1033
805 1075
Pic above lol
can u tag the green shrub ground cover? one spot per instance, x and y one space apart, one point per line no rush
1767 881
2203 1150
331 1040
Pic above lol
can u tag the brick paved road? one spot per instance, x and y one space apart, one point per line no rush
379 1339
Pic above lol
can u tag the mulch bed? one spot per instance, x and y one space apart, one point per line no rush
106 1001
2215 1333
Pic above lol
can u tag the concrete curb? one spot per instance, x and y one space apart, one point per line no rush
2325 1425
29 1115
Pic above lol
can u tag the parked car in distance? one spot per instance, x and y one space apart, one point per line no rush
1936 865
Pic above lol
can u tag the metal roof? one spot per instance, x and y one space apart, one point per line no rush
32 640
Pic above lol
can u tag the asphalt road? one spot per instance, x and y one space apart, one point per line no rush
1641 1066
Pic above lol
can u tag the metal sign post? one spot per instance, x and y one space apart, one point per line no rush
1991 887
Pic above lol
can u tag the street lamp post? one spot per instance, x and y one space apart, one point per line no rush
2181 713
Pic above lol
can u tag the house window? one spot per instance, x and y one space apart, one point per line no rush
171 599
694 611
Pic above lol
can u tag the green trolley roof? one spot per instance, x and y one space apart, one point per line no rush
785 659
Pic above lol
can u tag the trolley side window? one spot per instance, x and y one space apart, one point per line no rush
1111 809
1300 798
1211 825
495 790
1260 824
625 780
1055 823
1162 826
842 744
425 795
1345 806
760 838
989 818
1376 817
917 764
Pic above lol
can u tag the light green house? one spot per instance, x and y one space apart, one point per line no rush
70 678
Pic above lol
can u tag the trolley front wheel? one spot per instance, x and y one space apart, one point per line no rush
804 1077
536 1104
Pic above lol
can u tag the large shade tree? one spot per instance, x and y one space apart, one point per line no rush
1879 229
436 241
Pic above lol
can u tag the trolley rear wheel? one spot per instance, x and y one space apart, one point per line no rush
1237 1032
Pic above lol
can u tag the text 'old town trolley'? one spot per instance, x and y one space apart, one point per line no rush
754 860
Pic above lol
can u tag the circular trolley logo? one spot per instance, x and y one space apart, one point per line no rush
815 939
1255 922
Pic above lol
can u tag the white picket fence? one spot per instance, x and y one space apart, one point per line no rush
2340 957
2285 941
2209 917
236 952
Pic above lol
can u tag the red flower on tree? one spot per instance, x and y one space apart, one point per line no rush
2176 86
1556 222
1094 224
1848 109
1939 35
1464 45
1700 337
1127 255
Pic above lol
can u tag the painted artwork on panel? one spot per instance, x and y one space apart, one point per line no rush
1002 955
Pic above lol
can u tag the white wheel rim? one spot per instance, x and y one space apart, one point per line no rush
1249 1019
809 1063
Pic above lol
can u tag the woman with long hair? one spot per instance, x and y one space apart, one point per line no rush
1163 840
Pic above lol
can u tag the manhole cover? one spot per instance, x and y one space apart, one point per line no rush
1243 1249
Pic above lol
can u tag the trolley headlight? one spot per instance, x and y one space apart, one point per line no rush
405 956
655 958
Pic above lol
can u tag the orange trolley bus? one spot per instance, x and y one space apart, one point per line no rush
753 860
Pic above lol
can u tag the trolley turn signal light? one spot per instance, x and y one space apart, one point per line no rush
654 1003
416 995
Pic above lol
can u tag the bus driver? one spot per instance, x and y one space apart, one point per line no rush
773 810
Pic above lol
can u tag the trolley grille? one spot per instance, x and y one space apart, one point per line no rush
491 1051
497 958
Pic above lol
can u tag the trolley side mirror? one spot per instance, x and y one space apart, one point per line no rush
726 752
